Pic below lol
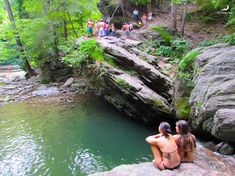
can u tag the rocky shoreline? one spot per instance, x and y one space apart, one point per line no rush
206 163
14 87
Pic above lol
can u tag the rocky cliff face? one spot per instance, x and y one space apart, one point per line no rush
213 97
132 85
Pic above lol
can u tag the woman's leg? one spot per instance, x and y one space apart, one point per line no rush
157 157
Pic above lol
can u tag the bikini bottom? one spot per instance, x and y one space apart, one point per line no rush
176 167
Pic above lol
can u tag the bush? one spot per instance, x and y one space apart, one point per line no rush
176 49
180 47
166 36
209 42
230 38
183 107
88 50
186 62
164 51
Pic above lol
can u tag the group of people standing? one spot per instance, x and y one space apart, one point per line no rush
142 21
100 28
170 150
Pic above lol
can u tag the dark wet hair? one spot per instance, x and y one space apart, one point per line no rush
166 128
183 127
186 142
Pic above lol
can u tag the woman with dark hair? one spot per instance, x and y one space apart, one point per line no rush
164 148
185 141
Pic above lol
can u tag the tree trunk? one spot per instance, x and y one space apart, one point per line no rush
20 48
65 29
72 25
174 17
159 3
149 6
122 5
184 18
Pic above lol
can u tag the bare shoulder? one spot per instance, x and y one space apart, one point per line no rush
176 136
193 136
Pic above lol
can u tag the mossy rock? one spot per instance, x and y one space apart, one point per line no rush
3 84
183 108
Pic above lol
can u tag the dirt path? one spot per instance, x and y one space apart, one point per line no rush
195 30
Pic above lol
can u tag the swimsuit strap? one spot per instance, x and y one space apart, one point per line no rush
168 154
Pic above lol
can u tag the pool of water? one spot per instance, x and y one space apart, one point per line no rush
48 138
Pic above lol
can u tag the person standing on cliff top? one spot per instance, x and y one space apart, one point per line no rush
90 27
136 14
144 21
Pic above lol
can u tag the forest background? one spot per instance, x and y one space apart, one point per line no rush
47 29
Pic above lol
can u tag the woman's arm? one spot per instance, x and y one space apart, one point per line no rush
153 140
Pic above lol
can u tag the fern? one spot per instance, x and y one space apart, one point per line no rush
187 60
166 36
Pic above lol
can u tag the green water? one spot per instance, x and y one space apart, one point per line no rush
44 138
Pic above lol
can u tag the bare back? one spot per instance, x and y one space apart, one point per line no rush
169 150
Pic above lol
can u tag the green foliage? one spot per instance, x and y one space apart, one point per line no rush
165 51
183 107
139 2
231 20
87 51
166 36
41 27
211 7
176 49
230 38
181 46
186 69
122 83
186 63
209 42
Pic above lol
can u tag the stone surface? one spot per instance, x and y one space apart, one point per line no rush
129 94
68 82
224 124
227 149
207 163
45 91
152 77
213 97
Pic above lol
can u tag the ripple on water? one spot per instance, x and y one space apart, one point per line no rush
47 139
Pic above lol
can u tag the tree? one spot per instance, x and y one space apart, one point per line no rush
19 44
184 17
174 16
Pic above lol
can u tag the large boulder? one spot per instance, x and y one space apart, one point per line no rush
206 163
150 75
129 94
213 97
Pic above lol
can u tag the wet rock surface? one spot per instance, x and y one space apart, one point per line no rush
213 97
20 89
206 163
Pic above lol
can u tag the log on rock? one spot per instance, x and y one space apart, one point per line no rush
152 77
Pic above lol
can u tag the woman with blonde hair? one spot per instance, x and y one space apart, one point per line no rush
185 141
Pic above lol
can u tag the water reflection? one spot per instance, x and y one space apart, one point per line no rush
57 139
86 162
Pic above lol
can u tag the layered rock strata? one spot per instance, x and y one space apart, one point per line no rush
213 97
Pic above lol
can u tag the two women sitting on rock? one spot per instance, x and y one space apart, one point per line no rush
168 150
